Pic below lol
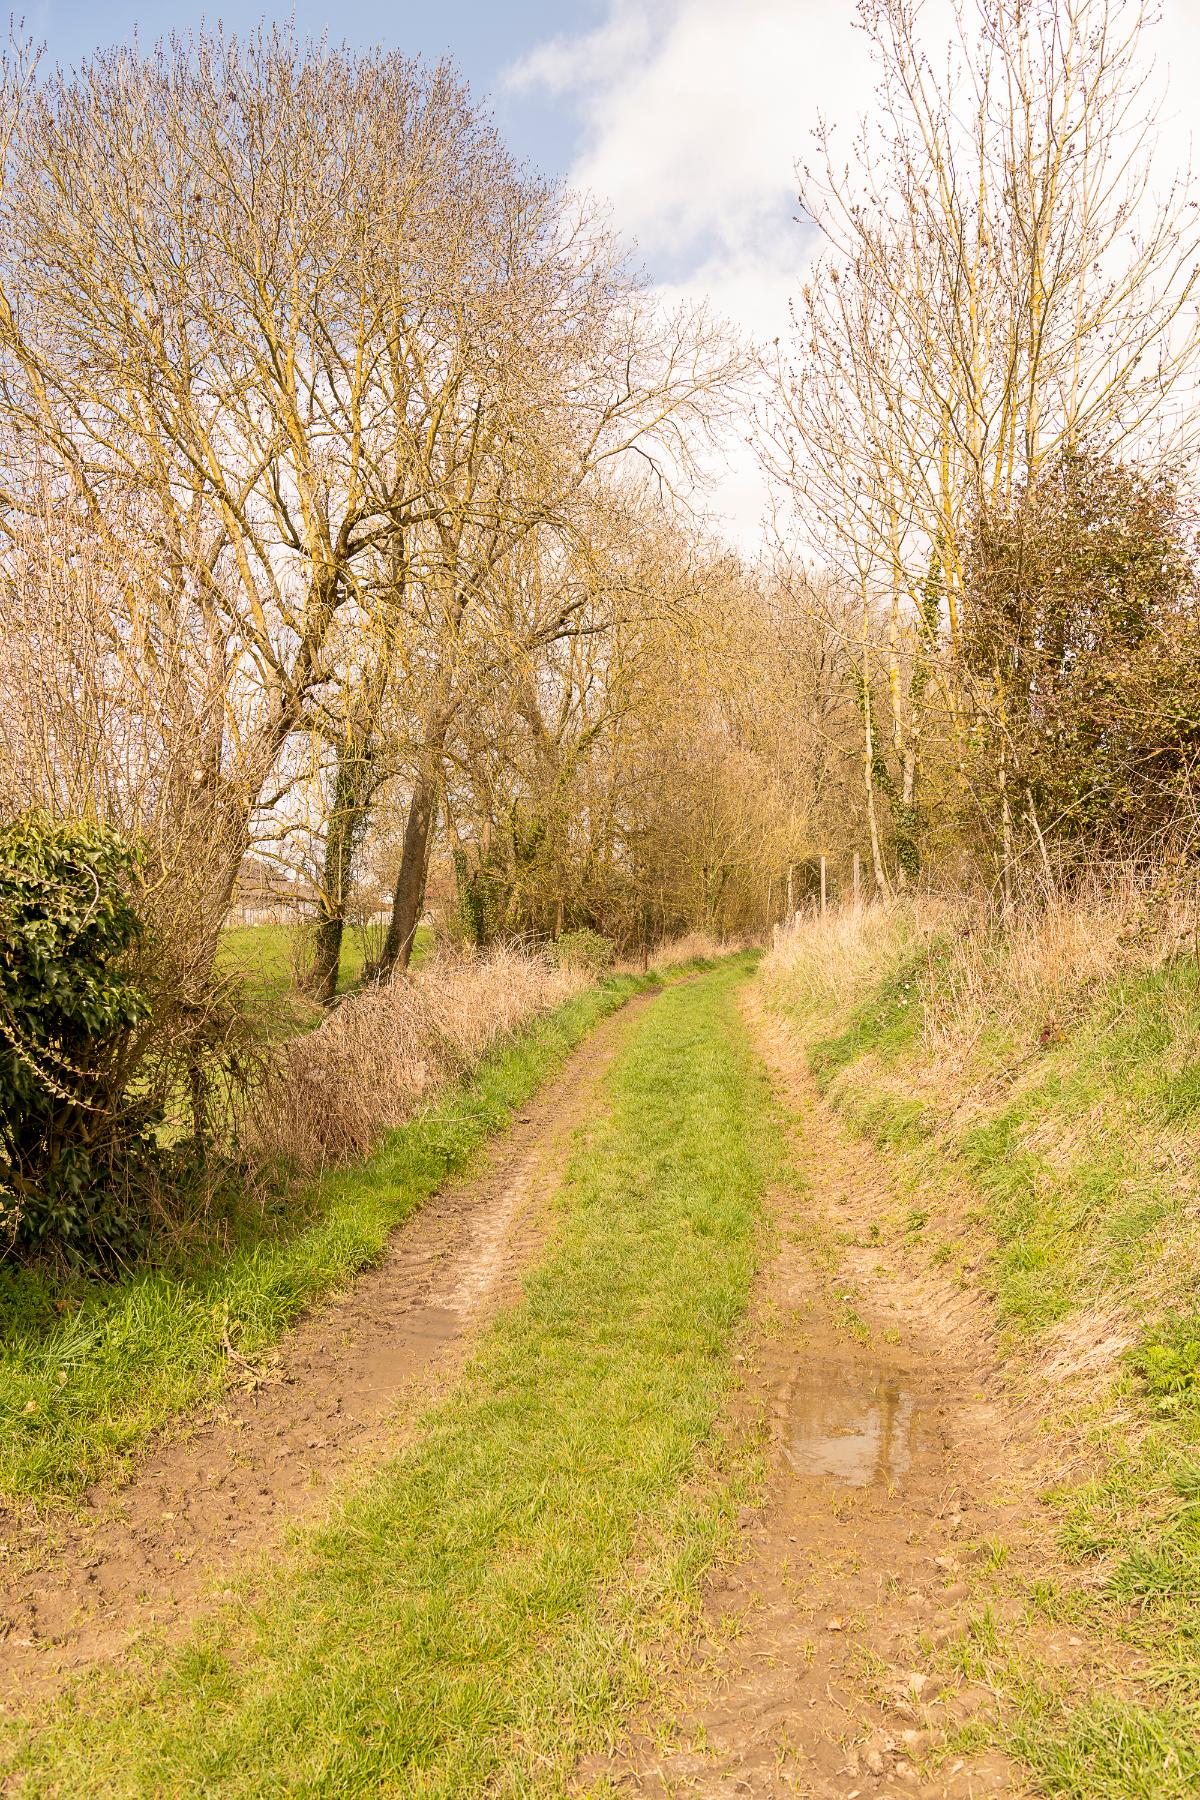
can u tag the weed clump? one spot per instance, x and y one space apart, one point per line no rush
1168 1363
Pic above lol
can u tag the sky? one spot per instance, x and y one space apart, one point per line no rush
686 116
482 36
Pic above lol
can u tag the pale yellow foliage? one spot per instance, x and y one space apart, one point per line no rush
387 1051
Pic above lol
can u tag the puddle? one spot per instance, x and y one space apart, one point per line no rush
853 1425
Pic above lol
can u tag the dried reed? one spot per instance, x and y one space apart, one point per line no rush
385 1052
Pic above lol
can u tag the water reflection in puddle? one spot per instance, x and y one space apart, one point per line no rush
854 1425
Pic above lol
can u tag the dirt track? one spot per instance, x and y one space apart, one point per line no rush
899 1486
898 1504
339 1394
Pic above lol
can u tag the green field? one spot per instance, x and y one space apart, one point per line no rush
268 959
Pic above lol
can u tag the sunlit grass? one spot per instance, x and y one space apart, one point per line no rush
267 959
484 1610
102 1364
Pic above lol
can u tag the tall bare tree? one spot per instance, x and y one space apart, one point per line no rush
998 284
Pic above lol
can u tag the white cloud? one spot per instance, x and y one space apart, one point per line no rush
693 112
692 116
593 59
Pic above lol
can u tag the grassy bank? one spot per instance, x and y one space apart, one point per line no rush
89 1369
1039 1092
474 1619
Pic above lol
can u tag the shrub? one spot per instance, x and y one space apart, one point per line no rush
1081 639
583 949
72 1132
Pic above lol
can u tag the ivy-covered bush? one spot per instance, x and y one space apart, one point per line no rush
583 949
76 1138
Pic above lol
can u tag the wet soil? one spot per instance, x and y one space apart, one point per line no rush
897 1510
342 1391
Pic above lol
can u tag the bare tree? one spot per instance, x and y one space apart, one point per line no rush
998 285
588 376
244 283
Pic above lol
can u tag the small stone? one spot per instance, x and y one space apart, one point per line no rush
835 1624
874 1762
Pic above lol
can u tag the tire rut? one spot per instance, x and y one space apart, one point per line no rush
341 1392
897 1471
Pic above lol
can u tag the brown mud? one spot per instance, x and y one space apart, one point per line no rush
340 1393
898 1521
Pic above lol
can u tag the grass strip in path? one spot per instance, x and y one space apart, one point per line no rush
478 1614
82 1389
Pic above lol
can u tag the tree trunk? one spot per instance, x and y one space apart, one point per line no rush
327 956
1006 840
347 821
1006 830
409 900
881 881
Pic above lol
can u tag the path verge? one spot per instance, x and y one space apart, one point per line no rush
87 1380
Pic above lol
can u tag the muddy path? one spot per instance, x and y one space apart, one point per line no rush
340 1392
899 1507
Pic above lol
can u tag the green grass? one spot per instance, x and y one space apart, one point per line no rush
263 958
885 1023
1111 1749
1073 1153
484 1609
88 1370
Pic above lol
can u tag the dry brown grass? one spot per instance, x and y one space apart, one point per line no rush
695 946
826 965
1035 973
1030 974
382 1054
